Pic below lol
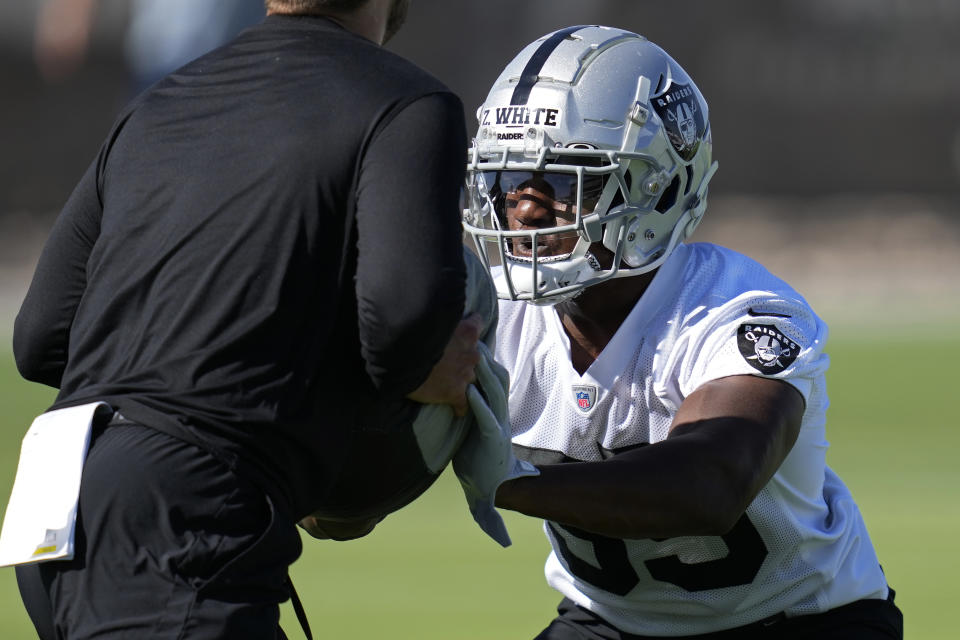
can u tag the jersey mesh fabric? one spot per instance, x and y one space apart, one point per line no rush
802 546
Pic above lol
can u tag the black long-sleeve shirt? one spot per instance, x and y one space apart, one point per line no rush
265 252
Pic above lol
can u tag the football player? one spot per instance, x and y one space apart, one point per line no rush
672 395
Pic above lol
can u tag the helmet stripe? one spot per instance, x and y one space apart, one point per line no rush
531 72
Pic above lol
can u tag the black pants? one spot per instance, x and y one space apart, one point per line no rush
170 544
861 620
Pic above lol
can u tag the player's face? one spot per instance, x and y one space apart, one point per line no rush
532 208
538 201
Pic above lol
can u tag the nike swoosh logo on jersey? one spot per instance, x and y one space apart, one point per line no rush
765 314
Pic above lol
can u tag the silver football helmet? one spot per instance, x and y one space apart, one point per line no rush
590 135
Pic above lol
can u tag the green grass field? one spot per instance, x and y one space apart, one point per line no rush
429 573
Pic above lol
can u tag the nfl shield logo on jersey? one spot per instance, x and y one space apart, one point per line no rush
585 395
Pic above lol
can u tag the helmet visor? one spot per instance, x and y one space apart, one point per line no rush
540 210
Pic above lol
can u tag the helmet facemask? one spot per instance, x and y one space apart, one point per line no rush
533 224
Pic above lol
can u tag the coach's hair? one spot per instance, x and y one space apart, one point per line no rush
313 6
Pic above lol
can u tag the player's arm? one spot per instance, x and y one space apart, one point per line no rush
41 332
410 272
727 440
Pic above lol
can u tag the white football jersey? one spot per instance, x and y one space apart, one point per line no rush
800 548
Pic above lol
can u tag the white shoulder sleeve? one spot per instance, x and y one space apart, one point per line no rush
756 333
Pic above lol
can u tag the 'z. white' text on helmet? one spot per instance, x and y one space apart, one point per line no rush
590 135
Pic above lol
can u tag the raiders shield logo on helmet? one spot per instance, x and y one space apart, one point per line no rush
683 121
766 348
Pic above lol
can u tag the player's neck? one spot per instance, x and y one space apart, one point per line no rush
593 318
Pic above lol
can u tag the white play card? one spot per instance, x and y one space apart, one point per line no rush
41 516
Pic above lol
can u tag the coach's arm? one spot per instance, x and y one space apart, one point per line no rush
41 332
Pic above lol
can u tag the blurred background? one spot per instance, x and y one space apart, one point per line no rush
836 124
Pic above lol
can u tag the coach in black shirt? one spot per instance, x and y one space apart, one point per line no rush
266 247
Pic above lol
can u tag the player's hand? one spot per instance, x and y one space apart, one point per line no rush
449 378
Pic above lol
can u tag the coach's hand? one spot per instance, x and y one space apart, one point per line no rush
448 381
338 529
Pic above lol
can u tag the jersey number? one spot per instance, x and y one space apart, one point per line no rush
615 574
